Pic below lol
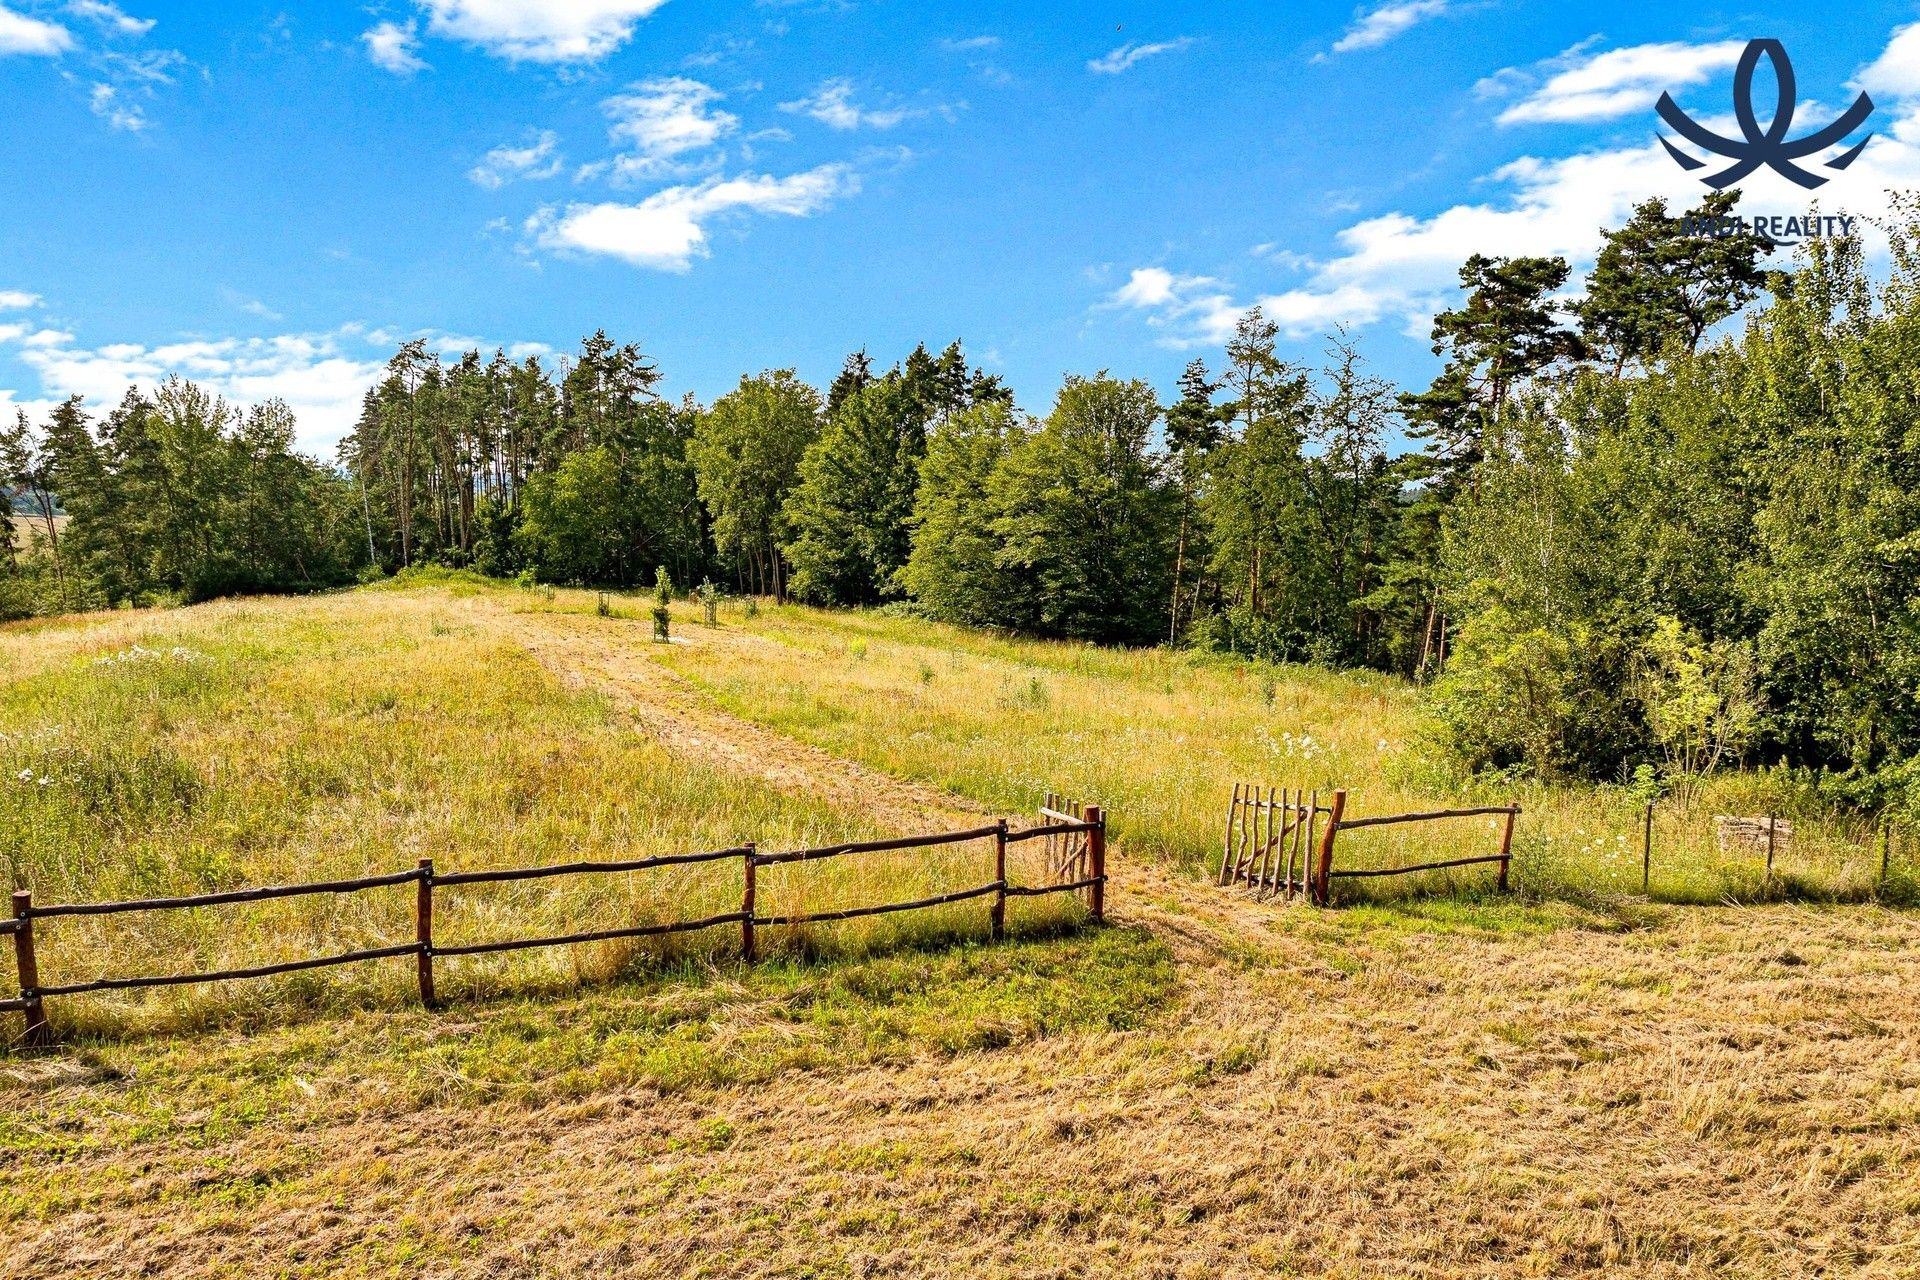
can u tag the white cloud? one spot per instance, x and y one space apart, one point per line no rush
147 68
1620 81
539 30
1376 26
391 46
17 300
1195 309
1157 287
318 375
537 160
110 16
1896 72
21 34
1129 55
106 102
661 120
252 306
832 104
972 44
667 230
1402 267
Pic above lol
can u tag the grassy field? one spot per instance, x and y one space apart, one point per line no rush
1161 737
244 744
1571 1081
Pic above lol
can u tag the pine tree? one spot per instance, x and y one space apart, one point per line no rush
1504 333
1656 285
1195 427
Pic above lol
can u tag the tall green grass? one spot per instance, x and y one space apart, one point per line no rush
1161 736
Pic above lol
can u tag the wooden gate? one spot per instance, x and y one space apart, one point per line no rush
1271 836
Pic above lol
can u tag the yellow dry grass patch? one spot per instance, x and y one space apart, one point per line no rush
1728 1093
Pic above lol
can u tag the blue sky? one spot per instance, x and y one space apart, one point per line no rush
266 196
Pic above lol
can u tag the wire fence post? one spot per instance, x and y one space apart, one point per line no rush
1097 860
1323 873
23 958
423 932
999 930
1646 852
1886 851
748 862
1506 848
1772 822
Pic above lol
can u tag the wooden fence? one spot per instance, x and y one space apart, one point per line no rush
1267 838
1063 822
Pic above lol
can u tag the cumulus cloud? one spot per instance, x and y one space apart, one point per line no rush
1192 309
1374 27
1896 72
1619 82
322 377
1128 56
833 105
661 121
391 46
539 158
17 300
539 30
20 34
668 230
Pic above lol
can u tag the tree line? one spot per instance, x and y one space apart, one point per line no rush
1614 532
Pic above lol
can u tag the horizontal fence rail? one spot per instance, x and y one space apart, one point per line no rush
230 896
1269 830
1088 827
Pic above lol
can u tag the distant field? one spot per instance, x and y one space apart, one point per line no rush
30 531
1565 1082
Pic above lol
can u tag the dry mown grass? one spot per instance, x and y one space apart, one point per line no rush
1726 1092
1211 1088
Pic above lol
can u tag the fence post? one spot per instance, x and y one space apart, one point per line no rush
423 931
1771 823
1226 849
1097 860
1886 851
1323 876
29 968
999 931
1506 848
746 903
1646 852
